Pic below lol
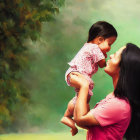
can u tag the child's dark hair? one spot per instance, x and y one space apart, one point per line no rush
103 29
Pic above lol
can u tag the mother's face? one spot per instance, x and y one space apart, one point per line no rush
112 68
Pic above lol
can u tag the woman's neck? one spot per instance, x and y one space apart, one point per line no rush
115 80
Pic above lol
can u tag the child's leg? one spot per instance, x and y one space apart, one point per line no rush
67 119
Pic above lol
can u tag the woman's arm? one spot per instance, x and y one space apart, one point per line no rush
82 116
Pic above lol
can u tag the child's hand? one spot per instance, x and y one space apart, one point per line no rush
102 63
74 131
105 55
77 80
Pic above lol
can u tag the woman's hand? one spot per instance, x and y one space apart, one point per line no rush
78 80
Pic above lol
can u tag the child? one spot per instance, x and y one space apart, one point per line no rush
101 36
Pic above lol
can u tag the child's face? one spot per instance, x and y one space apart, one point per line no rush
105 44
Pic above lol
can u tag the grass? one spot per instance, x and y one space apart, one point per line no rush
43 136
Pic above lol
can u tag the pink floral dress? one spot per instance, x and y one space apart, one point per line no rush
85 62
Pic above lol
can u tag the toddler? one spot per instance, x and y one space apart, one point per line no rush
101 36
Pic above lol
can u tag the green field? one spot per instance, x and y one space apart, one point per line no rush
39 136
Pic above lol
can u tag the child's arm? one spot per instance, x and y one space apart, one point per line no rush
102 63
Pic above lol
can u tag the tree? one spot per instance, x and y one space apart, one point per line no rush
19 20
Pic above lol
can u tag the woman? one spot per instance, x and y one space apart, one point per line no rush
120 110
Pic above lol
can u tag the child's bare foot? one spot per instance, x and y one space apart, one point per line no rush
74 131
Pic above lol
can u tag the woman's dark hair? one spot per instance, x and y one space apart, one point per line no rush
128 87
103 29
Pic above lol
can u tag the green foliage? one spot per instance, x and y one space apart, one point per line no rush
19 20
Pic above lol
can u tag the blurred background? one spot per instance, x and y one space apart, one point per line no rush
34 94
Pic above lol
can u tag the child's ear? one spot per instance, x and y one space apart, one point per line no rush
100 40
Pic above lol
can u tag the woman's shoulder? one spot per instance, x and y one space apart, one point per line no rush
124 104
116 101
120 104
111 110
